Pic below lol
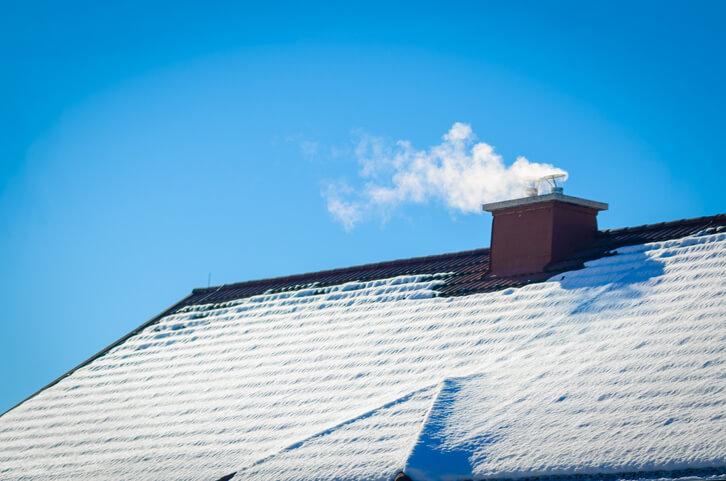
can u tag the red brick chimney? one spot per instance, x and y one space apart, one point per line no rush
530 233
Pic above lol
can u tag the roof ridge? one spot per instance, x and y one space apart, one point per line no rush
313 276
401 398
687 221
341 270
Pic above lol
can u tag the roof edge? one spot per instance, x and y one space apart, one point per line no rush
103 351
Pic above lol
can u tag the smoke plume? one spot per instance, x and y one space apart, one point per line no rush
459 172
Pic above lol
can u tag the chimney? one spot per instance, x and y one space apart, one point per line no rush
531 233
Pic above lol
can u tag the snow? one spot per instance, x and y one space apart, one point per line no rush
619 367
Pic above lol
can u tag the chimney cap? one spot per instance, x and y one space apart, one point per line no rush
495 206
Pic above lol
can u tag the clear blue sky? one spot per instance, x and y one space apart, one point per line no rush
144 146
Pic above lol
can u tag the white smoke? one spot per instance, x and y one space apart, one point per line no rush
459 172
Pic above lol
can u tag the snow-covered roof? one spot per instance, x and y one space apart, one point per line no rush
615 370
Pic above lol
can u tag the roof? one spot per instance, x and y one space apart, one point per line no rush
611 370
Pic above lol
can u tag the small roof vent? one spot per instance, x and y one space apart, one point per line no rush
553 182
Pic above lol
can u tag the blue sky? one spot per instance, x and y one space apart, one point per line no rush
145 146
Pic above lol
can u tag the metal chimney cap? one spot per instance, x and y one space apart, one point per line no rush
495 206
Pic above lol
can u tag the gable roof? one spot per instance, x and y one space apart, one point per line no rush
611 369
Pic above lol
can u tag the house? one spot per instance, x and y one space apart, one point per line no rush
560 353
